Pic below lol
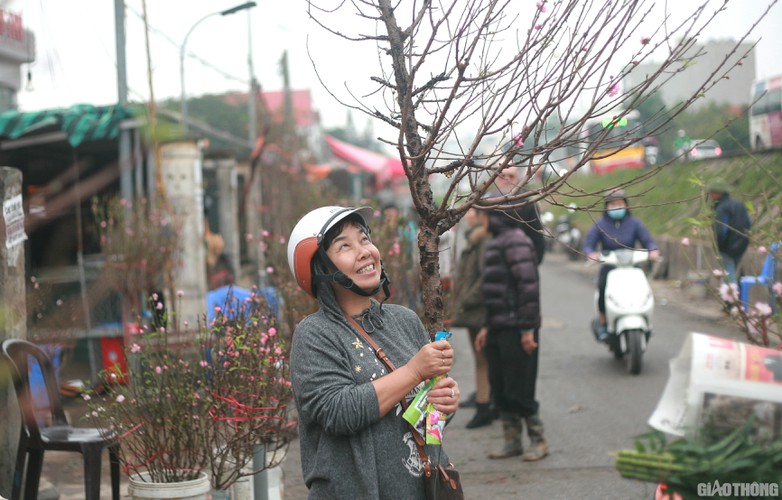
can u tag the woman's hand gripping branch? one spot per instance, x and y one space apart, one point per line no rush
432 360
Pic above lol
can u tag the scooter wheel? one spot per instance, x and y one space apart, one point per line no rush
634 351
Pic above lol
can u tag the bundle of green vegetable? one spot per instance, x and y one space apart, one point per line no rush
692 466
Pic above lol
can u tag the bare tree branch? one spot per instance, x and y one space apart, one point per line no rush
471 88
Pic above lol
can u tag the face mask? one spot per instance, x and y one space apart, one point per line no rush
617 213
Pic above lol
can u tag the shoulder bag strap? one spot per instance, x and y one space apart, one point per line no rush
381 355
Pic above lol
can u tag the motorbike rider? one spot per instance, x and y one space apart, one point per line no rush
616 229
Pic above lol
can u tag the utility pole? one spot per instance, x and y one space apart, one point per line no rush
126 183
252 132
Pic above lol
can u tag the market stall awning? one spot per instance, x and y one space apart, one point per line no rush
76 124
383 167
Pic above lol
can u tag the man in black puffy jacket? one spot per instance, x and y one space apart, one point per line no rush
511 294
528 216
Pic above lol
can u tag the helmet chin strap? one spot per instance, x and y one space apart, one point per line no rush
337 276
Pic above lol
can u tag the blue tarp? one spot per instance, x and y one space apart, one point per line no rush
231 298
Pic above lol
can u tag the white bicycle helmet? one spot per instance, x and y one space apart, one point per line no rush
306 239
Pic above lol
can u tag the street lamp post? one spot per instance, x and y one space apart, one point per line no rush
227 12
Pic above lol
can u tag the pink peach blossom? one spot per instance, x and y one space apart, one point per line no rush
763 309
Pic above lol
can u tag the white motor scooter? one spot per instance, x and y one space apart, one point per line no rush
629 306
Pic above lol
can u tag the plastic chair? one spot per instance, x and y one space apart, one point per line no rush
37 437
765 278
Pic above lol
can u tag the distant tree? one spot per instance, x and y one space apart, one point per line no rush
340 133
459 81
350 135
653 114
214 111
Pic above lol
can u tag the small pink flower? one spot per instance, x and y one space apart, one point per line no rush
272 332
120 398
685 242
265 233
135 348
159 306
729 292
86 397
541 6
204 364
613 90
718 273
762 250
248 237
270 269
644 40
180 293
187 323
197 396
154 296
59 302
763 309
777 287
158 370
537 26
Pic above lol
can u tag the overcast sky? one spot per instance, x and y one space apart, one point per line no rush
76 50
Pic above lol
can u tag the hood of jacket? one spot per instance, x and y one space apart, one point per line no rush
501 221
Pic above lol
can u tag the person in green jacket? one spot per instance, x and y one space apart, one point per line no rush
469 311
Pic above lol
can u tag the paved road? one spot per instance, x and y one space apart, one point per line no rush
590 404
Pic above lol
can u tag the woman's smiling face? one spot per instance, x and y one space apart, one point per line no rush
353 252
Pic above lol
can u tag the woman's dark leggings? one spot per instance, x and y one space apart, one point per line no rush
601 287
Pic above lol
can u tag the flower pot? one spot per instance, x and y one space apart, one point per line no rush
195 489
